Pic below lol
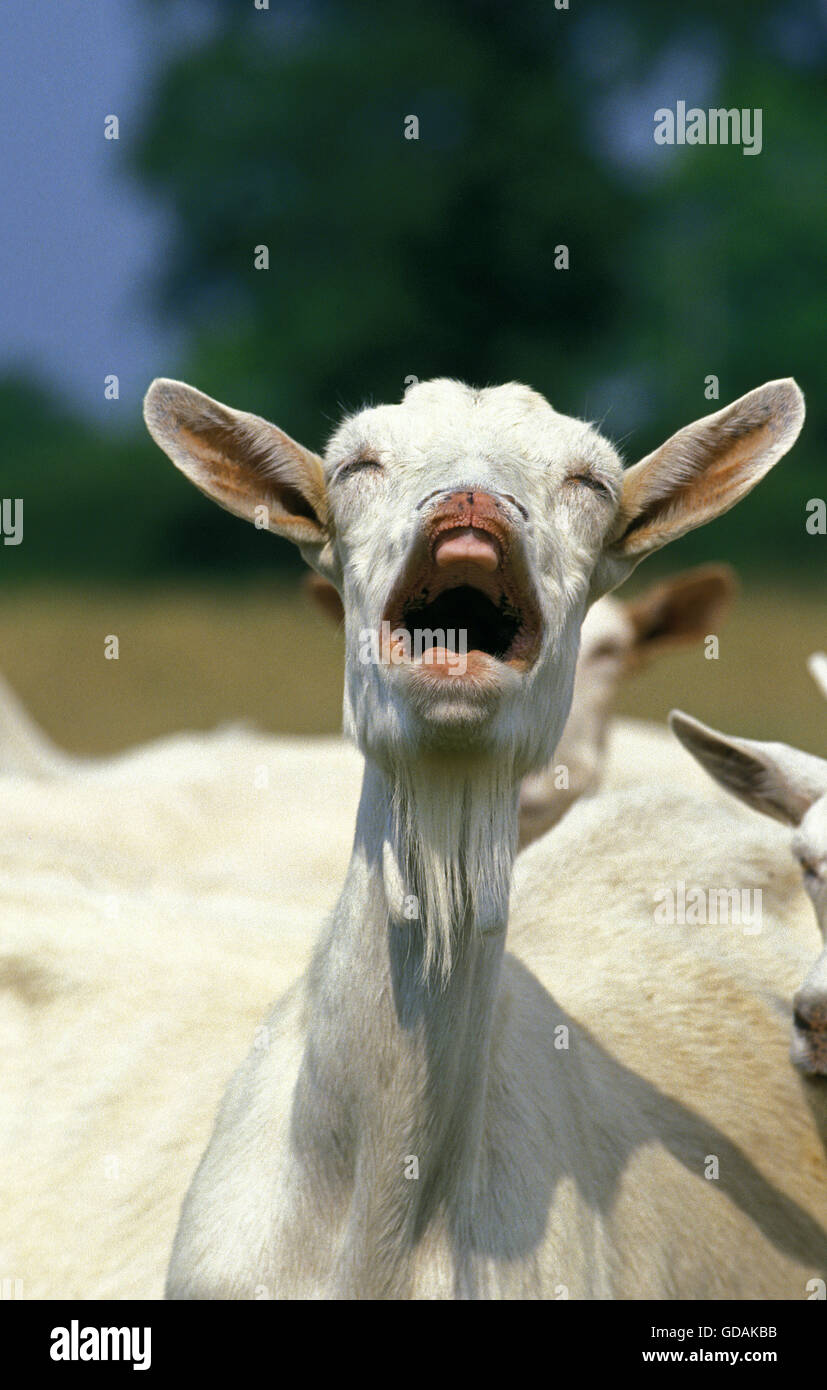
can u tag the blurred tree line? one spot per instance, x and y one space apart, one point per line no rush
392 257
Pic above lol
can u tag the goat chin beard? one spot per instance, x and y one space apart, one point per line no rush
449 852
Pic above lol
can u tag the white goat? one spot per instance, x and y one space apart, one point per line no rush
790 786
417 1125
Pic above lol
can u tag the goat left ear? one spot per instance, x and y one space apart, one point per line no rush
701 472
242 462
773 778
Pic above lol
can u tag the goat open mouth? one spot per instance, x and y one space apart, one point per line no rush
439 616
462 618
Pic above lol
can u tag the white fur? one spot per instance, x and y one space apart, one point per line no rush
540 1168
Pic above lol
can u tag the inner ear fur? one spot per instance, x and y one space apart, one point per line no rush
705 468
240 460
772 778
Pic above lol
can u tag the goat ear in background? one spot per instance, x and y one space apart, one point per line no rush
700 473
680 610
242 462
770 777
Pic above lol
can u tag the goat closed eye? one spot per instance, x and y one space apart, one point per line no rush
596 484
357 465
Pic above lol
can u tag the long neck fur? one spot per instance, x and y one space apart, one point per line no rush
401 1008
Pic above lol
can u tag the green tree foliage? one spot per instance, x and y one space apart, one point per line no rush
392 257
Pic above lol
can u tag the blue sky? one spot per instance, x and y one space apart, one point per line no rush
79 239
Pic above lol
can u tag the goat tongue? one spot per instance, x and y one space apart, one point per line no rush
467 545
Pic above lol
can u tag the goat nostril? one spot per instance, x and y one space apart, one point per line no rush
801 1022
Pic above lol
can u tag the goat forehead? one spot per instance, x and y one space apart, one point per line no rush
444 424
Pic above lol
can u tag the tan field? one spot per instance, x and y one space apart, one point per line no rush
191 658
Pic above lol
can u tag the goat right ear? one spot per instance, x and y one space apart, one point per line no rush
700 473
773 778
242 462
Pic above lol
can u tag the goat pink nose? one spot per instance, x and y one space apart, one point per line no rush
467 545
